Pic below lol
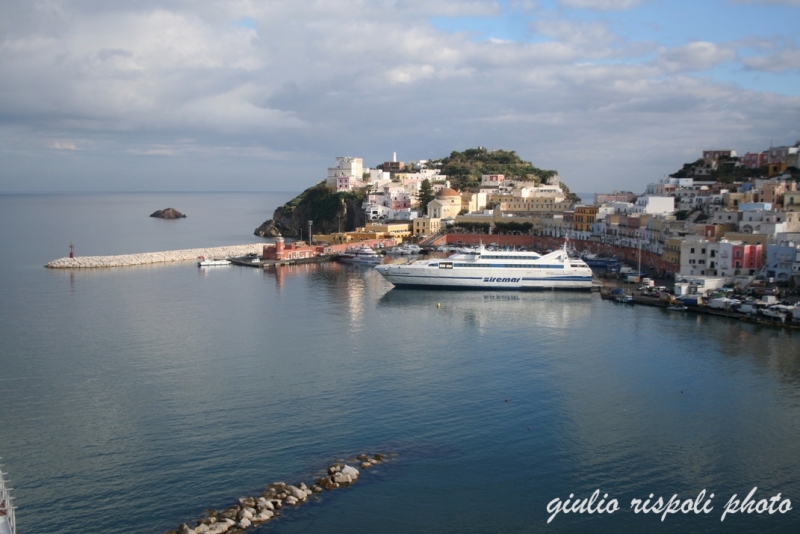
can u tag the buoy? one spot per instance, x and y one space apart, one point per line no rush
438 304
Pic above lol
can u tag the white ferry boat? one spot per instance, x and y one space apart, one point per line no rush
484 269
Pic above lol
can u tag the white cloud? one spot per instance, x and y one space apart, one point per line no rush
310 80
695 56
780 61
603 5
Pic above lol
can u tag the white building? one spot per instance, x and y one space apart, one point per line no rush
346 174
783 260
650 205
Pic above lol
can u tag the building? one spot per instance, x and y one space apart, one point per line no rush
782 260
584 217
447 204
651 205
492 179
346 174
714 155
616 196
281 251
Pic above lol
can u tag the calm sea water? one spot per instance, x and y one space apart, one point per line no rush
133 399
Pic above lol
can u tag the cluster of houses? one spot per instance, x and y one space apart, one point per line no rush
697 226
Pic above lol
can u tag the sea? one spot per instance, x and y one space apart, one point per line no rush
134 399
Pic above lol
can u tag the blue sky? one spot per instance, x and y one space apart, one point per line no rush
251 95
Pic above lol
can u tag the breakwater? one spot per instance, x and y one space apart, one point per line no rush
251 511
148 258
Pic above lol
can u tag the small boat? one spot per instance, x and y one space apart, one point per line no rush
624 299
677 307
363 255
203 262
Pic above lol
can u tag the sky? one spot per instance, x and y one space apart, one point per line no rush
262 95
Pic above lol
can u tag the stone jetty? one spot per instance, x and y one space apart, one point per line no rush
148 258
250 512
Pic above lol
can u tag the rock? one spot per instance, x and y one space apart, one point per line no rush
297 493
245 513
341 478
247 502
362 457
244 523
185 529
351 471
291 499
201 529
266 515
380 457
169 213
366 465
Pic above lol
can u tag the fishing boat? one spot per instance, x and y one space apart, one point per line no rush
480 268
206 262
363 255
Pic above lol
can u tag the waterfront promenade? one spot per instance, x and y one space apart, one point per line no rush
148 258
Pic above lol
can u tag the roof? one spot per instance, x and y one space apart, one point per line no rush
448 192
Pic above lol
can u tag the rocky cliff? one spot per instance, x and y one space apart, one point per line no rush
329 211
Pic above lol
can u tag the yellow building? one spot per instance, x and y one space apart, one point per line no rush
447 204
791 201
427 225
396 230
672 251
585 217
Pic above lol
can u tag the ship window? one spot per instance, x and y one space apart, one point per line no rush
445 265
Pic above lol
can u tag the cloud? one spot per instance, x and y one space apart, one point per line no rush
603 5
695 56
292 84
779 61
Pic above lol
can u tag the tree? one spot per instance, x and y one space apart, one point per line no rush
425 195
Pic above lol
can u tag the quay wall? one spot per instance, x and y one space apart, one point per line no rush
148 258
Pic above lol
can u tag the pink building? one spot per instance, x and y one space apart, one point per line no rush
747 256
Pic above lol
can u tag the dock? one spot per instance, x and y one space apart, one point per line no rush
639 299
150 258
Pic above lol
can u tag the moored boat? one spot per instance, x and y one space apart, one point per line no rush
7 523
406 249
484 269
205 262
361 255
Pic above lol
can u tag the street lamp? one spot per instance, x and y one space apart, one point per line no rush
309 231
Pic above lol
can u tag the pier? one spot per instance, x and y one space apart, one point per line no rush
149 258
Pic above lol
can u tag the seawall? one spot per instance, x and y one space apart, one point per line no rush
148 258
